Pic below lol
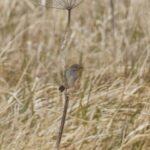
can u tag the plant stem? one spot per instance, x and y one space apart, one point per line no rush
69 18
112 15
63 118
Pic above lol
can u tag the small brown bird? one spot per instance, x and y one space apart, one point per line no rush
72 75
71 78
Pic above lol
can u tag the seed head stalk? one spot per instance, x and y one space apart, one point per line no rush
63 118
65 5
69 18
69 6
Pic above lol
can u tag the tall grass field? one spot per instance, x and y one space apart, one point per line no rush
111 108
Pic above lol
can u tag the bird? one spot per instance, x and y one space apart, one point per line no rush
71 77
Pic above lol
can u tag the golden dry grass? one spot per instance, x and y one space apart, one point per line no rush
111 111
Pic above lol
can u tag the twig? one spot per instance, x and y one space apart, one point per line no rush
62 120
112 9
69 18
112 17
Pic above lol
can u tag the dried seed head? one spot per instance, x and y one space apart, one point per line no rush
59 4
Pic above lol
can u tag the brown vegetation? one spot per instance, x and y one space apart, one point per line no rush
110 111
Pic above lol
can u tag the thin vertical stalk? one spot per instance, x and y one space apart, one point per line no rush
63 118
112 8
62 50
112 16
69 18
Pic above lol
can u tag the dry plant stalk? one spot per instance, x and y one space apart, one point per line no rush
112 17
69 5
65 5
113 27
63 118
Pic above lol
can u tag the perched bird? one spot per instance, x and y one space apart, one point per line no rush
72 76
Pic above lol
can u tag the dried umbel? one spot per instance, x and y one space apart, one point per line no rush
58 4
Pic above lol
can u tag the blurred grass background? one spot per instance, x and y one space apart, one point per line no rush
112 108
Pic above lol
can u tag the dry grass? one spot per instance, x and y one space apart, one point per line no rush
111 110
